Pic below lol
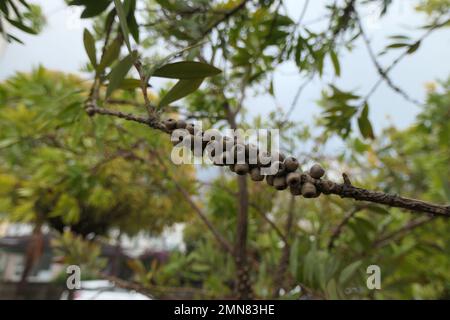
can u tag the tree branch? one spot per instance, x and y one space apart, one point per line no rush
344 190
382 241
380 70
338 230
347 190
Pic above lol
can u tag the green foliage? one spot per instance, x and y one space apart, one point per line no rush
59 166
21 15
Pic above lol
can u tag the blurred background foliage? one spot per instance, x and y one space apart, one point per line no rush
62 168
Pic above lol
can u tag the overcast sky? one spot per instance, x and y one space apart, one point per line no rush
60 47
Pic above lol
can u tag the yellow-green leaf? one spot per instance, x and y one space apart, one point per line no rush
180 90
119 72
89 46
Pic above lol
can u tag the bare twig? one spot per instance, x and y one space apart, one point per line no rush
337 231
411 225
380 70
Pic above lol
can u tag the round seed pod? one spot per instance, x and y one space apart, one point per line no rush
326 186
269 180
256 175
293 178
291 164
190 128
280 182
316 171
309 190
181 124
264 159
295 190
171 124
241 169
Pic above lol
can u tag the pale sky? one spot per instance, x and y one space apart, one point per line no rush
60 47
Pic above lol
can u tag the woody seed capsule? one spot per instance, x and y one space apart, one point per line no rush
256 175
316 171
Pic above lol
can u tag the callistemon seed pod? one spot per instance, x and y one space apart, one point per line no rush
178 135
316 171
255 174
296 190
190 128
291 164
181 124
264 159
171 124
279 182
269 180
293 178
326 186
212 134
309 190
241 169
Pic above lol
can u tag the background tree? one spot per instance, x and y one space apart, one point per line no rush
58 167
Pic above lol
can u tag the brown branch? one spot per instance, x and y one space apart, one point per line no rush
411 225
152 122
226 15
280 276
269 221
394 63
338 230
344 190
380 70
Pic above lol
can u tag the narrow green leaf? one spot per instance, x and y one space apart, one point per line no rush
399 37
129 84
94 8
331 290
123 22
413 47
349 271
21 26
335 61
365 127
186 70
119 72
89 46
397 45
180 90
111 54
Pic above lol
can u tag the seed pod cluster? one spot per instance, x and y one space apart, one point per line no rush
247 159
